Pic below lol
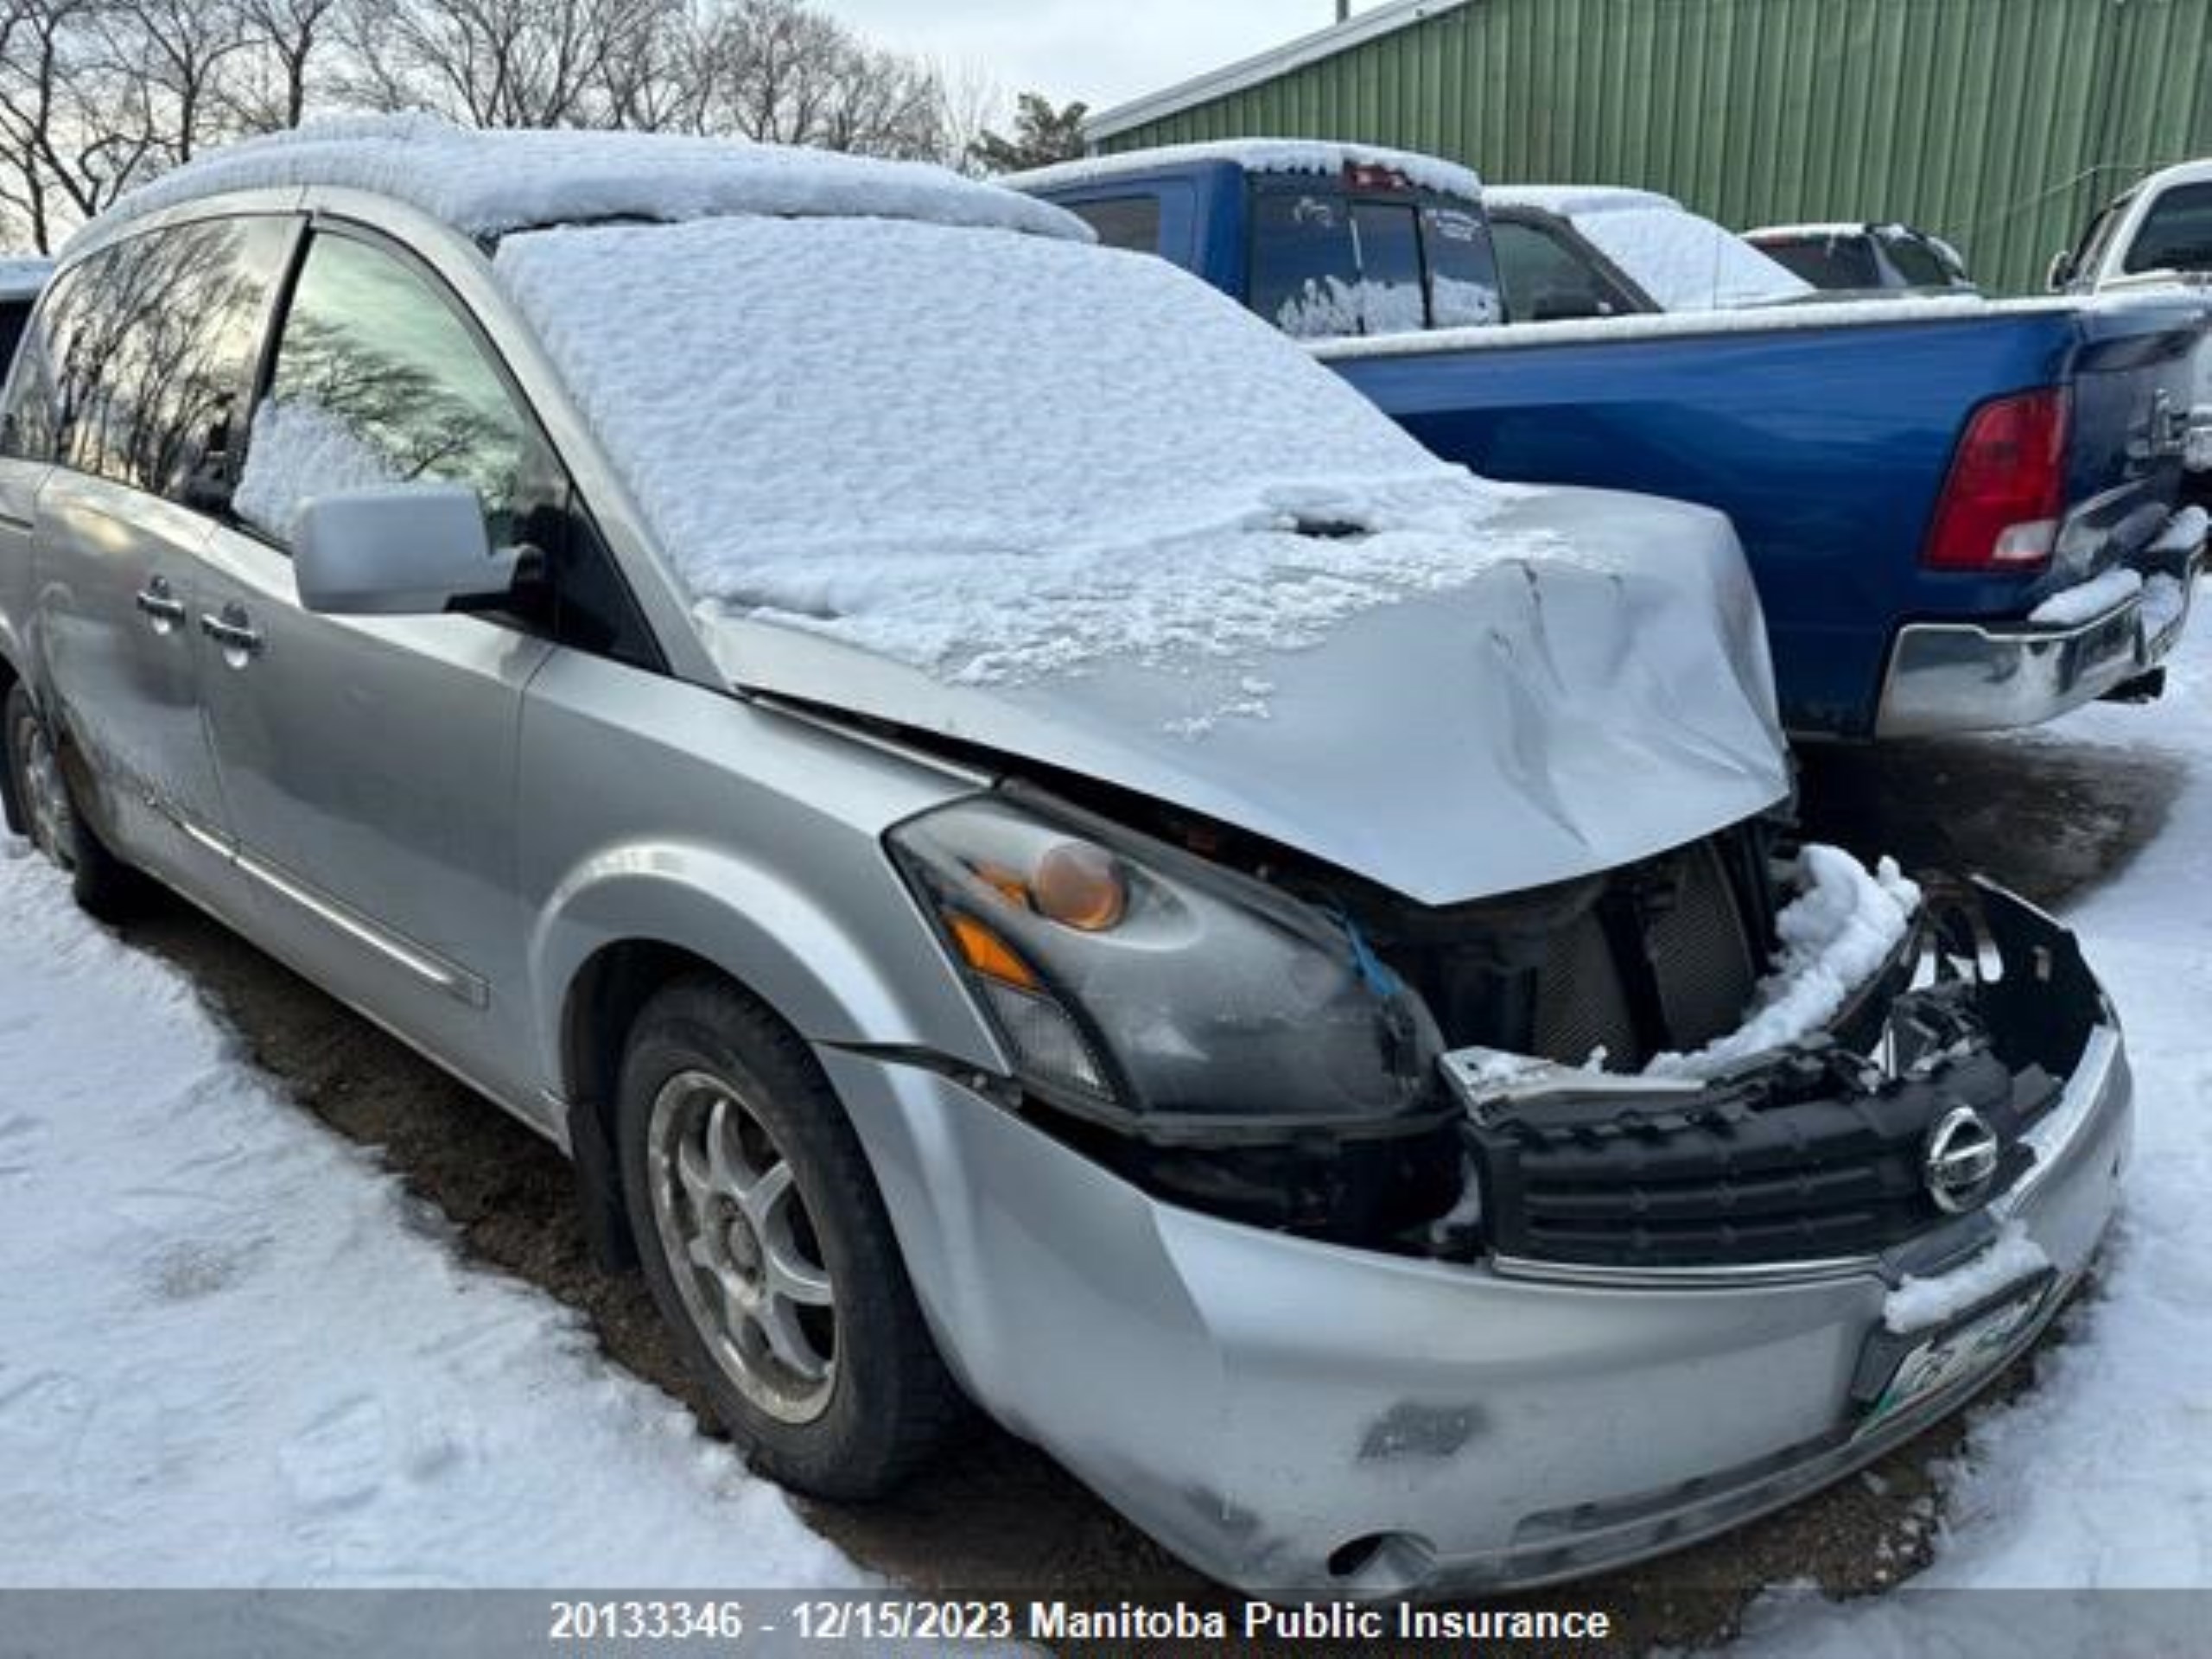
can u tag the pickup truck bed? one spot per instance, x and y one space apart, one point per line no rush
1825 433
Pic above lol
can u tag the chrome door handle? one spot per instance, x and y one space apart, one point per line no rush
234 633
159 605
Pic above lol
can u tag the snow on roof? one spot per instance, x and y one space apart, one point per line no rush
1684 261
1810 231
969 453
20 279
1574 200
486 184
1259 156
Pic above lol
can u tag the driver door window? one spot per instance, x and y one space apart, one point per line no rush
378 380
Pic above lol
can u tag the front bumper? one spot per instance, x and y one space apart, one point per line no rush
1290 1416
1969 676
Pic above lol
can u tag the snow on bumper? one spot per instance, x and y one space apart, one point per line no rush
1973 676
1290 1416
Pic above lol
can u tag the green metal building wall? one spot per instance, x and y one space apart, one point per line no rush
1997 124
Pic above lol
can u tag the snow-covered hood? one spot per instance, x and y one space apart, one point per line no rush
1550 718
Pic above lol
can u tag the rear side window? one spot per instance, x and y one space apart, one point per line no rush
379 380
1835 262
143 354
1131 222
2176 235
1547 281
1305 264
13 314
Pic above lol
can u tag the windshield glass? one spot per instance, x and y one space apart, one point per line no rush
1684 262
1829 261
969 449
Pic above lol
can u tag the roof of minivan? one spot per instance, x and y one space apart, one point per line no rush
1259 156
486 184
21 278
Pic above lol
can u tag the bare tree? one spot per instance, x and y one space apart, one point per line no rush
286 40
75 130
96 95
176 56
495 63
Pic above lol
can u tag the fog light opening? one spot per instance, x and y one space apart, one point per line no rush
1381 1563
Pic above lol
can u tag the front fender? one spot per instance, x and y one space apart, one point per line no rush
892 988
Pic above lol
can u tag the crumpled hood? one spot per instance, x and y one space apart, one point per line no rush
1546 720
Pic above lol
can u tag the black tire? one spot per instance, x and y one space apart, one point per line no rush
888 1401
104 885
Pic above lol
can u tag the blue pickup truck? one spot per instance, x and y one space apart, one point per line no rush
1961 515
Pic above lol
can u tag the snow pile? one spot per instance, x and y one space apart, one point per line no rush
2095 1479
970 453
2184 532
1685 262
486 184
300 449
1919 1303
1838 931
2087 600
1259 156
231 1353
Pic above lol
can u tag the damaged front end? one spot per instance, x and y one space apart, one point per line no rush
1559 1077
1355 1246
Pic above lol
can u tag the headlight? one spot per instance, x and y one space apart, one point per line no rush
1129 979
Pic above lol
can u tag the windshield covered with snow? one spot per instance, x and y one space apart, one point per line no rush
1685 262
988 454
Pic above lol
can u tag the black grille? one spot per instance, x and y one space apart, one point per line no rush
1701 964
1582 1006
1806 1161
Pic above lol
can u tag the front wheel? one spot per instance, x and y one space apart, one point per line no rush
767 1245
102 883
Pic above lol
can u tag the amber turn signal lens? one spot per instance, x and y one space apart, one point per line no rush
989 955
1080 885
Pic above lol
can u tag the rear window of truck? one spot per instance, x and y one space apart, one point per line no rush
1325 264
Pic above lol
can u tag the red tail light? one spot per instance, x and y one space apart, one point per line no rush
2006 491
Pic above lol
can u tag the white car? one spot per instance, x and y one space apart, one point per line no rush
2157 232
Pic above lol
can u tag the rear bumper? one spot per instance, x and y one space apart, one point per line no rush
1969 676
1291 1416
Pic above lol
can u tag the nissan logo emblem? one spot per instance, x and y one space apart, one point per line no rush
1961 1161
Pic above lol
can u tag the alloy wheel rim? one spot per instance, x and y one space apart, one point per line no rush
46 796
740 1244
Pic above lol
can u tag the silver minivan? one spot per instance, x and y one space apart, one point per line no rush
1033 850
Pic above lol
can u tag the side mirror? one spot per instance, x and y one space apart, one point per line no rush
396 550
2061 271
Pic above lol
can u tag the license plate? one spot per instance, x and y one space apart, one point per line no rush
1956 1353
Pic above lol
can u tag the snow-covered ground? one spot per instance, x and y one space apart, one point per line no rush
233 1352
2101 1476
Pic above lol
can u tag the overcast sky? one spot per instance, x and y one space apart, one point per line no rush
1103 52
